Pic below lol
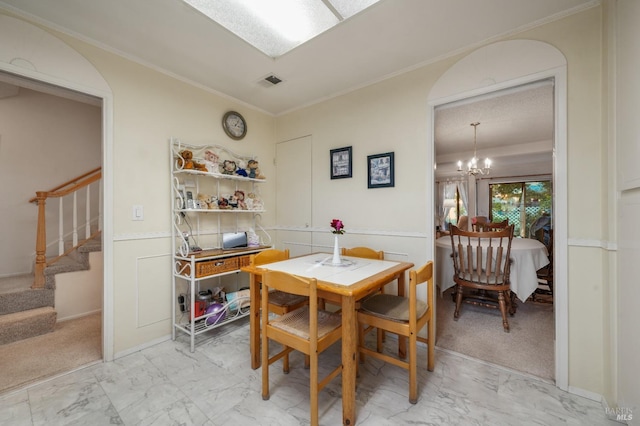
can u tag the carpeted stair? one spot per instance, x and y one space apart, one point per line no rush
27 312
25 324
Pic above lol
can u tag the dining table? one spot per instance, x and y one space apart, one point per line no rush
527 255
344 285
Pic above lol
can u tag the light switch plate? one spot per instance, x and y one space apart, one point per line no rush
138 213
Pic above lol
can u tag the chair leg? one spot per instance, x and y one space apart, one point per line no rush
512 302
361 329
413 368
431 343
265 369
314 389
456 313
503 310
285 363
380 340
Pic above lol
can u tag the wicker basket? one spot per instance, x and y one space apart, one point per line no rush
210 267
244 261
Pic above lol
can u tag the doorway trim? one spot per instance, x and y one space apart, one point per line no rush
28 51
500 66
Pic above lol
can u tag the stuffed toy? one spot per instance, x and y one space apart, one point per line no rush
254 171
239 195
223 203
203 201
233 202
212 161
207 201
241 170
253 202
186 162
229 167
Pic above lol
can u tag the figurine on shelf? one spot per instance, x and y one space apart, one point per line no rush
254 171
203 201
212 161
223 203
233 202
229 167
254 202
239 195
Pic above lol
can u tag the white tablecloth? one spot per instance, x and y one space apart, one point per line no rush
528 256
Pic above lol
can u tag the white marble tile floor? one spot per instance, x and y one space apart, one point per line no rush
168 385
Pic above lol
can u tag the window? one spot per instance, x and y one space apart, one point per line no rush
522 203
453 206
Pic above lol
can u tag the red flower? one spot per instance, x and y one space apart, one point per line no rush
338 226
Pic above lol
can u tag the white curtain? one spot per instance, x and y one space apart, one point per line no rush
464 194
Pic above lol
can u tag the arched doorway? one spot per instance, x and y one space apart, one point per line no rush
30 52
508 64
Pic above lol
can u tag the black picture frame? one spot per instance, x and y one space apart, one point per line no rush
380 170
341 163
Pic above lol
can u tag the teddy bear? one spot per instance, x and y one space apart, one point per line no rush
229 167
212 161
203 201
254 171
186 162
207 201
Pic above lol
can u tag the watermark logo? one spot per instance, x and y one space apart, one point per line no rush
621 414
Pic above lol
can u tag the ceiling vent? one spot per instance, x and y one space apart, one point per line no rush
269 80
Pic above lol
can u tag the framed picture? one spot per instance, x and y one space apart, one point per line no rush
341 163
380 172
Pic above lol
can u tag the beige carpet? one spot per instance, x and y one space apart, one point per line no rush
72 344
478 333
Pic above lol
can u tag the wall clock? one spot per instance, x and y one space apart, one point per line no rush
234 125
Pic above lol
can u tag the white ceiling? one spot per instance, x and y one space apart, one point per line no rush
391 37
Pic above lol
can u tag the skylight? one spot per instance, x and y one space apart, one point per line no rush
277 26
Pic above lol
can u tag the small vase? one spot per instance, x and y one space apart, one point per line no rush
337 260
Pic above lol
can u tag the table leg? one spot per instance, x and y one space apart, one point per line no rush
402 341
349 359
254 321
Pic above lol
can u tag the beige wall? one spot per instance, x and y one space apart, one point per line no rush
625 185
393 116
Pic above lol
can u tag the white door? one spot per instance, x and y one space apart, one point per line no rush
293 195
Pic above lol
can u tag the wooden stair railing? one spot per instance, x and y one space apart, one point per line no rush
71 187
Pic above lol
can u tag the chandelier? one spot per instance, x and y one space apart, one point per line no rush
472 165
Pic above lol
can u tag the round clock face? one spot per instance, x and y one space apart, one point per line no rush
234 125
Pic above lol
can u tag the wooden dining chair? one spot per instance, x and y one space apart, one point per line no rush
463 222
280 302
481 263
404 317
492 226
545 274
307 329
364 252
